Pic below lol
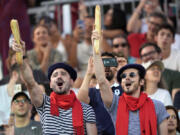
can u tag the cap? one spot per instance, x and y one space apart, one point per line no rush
20 94
66 67
139 67
152 63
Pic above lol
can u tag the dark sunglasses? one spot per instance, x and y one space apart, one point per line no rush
149 53
131 75
122 45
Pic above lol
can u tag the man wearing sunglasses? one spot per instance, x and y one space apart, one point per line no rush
134 111
121 46
21 109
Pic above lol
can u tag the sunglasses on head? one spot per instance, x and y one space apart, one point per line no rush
122 45
131 75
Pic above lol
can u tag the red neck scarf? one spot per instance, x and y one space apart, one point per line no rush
148 121
66 102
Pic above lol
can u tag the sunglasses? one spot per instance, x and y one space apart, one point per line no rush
122 45
131 75
23 101
149 53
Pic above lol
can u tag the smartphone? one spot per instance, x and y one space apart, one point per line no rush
80 23
110 62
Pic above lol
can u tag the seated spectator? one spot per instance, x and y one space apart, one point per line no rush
138 24
173 121
155 86
165 38
21 108
121 45
137 39
43 54
150 51
56 39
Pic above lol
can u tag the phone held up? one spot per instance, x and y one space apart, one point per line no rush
110 62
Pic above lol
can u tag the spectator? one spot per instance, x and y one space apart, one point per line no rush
42 55
138 24
150 51
81 51
137 39
21 108
130 110
61 113
155 86
55 37
173 121
164 38
92 96
121 45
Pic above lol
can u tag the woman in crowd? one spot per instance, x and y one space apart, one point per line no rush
173 121
43 54
154 84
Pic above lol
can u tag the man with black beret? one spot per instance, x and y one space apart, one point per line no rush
62 112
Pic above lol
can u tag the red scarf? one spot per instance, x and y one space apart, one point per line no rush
147 114
66 102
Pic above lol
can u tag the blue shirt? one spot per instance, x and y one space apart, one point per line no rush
103 119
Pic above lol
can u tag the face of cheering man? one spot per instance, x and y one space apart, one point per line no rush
131 82
61 81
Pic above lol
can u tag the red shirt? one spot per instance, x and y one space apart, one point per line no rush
135 41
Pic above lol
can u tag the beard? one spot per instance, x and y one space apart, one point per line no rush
130 91
109 76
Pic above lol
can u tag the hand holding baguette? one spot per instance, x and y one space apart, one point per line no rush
16 33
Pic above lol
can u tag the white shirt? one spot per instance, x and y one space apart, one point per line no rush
173 61
60 48
163 96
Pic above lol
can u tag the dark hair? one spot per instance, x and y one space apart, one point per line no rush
159 15
118 19
167 27
107 54
177 116
46 20
158 50
124 37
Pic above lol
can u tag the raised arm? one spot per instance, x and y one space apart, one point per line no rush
134 22
83 93
34 89
105 90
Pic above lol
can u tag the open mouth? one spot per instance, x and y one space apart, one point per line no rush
59 83
128 84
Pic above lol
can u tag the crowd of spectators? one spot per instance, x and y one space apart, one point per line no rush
144 47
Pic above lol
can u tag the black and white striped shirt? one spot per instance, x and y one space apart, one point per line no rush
62 124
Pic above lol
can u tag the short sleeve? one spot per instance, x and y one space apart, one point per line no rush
89 113
161 112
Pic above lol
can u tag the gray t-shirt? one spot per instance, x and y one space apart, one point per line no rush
34 128
134 121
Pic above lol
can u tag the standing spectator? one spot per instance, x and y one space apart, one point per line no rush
164 39
137 39
151 52
133 112
155 86
21 108
173 121
92 96
61 113
43 54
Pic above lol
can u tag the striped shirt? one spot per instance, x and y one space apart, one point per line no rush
62 124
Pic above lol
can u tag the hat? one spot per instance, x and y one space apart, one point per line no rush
66 67
139 67
20 94
152 63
